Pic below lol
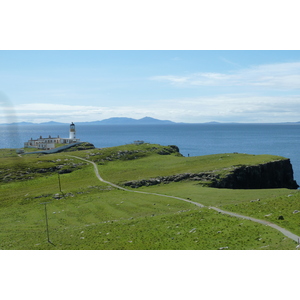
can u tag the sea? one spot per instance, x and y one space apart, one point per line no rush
192 139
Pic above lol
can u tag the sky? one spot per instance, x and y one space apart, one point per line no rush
182 86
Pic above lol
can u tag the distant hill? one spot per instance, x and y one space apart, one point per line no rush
30 123
18 123
131 121
51 123
110 121
128 121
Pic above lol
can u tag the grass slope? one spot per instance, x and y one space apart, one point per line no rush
92 215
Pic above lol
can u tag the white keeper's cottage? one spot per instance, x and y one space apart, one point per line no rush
49 142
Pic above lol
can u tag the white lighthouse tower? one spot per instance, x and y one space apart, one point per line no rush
72 134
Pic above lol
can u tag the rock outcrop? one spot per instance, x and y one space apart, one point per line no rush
276 174
203 177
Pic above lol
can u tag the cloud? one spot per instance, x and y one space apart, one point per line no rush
223 108
263 93
273 76
43 112
239 108
172 79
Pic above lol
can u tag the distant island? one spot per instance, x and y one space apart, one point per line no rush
110 121
131 121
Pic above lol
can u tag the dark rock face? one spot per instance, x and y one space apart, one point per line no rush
65 171
276 174
175 148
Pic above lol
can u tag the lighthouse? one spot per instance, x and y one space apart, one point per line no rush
72 134
49 142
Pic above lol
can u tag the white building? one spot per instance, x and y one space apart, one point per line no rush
49 142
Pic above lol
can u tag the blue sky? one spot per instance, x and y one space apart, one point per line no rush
182 86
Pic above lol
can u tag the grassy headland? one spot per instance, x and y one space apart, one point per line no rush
89 214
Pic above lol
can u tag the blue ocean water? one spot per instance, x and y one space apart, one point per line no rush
192 139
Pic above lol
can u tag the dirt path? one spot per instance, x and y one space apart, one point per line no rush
127 190
287 233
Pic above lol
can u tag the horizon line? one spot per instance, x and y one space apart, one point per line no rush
171 122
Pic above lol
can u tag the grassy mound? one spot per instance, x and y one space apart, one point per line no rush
89 214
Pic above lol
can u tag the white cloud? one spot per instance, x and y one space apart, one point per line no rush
43 112
225 108
254 94
241 108
172 79
276 76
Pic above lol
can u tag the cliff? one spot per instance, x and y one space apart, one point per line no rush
274 174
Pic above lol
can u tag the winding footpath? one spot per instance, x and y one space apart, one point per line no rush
285 232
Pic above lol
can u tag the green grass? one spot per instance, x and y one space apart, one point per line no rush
271 208
130 221
57 145
33 166
93 215
43 187
272 202
158 165
6 153
213 196
29 149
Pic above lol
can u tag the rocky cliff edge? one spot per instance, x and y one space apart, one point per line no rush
275 174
